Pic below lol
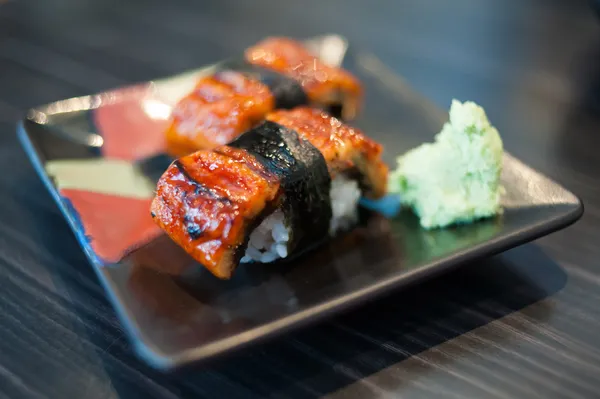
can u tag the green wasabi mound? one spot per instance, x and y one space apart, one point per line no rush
455 179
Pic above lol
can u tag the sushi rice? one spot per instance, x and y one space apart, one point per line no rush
268 242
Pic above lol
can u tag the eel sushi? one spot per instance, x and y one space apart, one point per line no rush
278 190
276 73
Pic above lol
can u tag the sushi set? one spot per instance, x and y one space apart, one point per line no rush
233 203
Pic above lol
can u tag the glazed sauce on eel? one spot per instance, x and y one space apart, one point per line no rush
205 202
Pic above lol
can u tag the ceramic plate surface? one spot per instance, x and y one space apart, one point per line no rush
85 150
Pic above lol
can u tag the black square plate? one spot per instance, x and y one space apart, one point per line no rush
177 315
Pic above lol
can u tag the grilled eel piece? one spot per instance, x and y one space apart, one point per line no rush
277 73
210 201
324 85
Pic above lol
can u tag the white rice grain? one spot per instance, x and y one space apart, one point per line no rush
268 242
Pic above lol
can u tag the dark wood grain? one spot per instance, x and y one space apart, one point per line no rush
522 324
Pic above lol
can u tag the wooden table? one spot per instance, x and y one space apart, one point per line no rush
522 324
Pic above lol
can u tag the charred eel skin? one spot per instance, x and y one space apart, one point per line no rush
277 73
209 202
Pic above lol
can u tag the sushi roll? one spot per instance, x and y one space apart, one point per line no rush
331 88
277 73
278 190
